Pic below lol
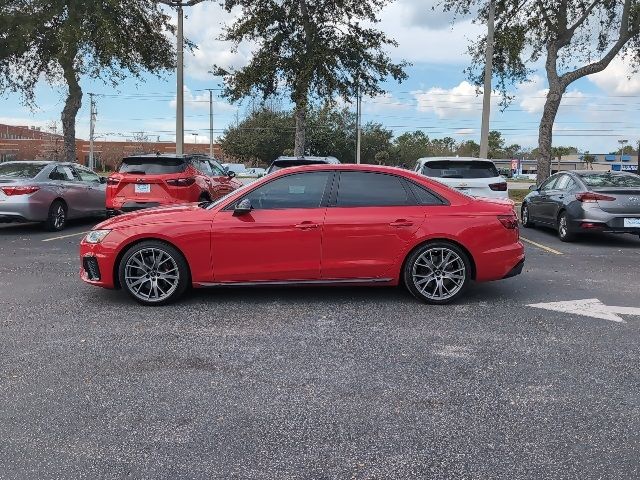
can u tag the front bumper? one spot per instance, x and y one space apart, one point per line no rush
97 264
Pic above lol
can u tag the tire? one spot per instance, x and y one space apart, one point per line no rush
563 228
57 216
154 273
204 197
427 261
525 215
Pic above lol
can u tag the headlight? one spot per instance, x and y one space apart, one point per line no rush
96 236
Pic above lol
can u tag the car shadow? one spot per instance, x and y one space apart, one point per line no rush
593 239
35 227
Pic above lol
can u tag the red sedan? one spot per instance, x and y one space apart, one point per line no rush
311 225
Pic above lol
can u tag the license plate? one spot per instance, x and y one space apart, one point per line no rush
632 222
142 188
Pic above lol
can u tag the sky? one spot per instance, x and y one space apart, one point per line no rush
595 113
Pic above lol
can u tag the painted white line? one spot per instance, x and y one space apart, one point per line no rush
543 247
65 236
589 307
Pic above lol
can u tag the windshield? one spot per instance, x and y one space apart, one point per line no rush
152 166
460 169
609 179
20 170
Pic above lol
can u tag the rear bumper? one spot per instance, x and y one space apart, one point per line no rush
23 208
517 270
132 207
499 263
597 220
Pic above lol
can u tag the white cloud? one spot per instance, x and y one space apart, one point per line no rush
532 96
459 101
617 79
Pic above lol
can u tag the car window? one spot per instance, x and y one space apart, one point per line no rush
301 190
424 196
202 166
608 179
20 170
152 165
460 169
87 175
62 172
562 183
217 169
549 184
368 189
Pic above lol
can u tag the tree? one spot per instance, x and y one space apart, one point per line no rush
409 147
575 38
468 148
320 49
559 152
496 144
589 159
66 39
375 139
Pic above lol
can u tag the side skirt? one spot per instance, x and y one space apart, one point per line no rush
301 283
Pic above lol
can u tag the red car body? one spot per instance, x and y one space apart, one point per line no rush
365 245
169 179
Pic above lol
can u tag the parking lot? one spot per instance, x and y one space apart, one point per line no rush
322 382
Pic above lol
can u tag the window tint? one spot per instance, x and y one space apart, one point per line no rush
424 196
217 169
460 169
301 190
20 170
152 166
87 175
367 189
62 172
549 184
609 179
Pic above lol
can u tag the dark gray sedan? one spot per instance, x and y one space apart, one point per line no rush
49 192
585 201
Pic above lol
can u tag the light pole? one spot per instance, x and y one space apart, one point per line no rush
195 139
179 4
622 144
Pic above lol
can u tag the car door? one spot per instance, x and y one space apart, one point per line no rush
221 183
279 240
369 222
94 190
558 195
539 204
70 189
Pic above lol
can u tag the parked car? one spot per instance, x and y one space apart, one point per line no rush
474 176
144 181
286 162
234 167
252 173
585 201
49 192
318 224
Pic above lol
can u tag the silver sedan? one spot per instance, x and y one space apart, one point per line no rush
49 192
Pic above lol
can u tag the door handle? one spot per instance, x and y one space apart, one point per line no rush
401 223
307 225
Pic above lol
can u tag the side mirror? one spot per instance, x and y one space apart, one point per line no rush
103 179
242 207
533 188
231 173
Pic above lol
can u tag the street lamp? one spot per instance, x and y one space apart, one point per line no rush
179 4
195 139
622 144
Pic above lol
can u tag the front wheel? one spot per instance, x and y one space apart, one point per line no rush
563 228
153 273
525 215
437 273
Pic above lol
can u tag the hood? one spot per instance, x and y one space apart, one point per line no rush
163 214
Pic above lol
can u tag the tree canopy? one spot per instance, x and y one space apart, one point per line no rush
316 50
66 39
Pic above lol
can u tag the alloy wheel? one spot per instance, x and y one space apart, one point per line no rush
151 274
59 217
562 227
439 273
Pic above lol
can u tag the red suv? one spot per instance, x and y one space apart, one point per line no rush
144 181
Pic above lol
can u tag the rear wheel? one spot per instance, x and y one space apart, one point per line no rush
57 216
153 273
437 272
563 228
525 215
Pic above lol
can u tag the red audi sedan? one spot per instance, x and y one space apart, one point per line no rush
311 225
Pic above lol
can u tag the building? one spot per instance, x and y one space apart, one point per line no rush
598 162
32 143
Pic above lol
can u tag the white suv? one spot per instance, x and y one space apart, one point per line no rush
474 176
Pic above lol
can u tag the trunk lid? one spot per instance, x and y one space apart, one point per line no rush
627 200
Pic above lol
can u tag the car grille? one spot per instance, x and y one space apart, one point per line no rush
90 265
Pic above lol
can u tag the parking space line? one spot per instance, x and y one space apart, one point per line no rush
65 236
543 247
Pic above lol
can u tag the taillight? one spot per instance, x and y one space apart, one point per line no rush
509 222
112 181
21 190
591 197
498 187
181 182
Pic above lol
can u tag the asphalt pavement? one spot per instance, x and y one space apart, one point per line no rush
320 383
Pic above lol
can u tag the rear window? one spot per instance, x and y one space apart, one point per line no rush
20 170
460 169
152 166
611 180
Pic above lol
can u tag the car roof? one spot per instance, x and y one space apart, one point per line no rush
584 173
328 159
347 166
169 155
454 159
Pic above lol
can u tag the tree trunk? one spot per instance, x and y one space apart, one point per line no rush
545 134
71 107
301 126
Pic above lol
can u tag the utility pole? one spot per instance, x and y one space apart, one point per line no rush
622 144
488 68
210 122
179 4
92 127
358 122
